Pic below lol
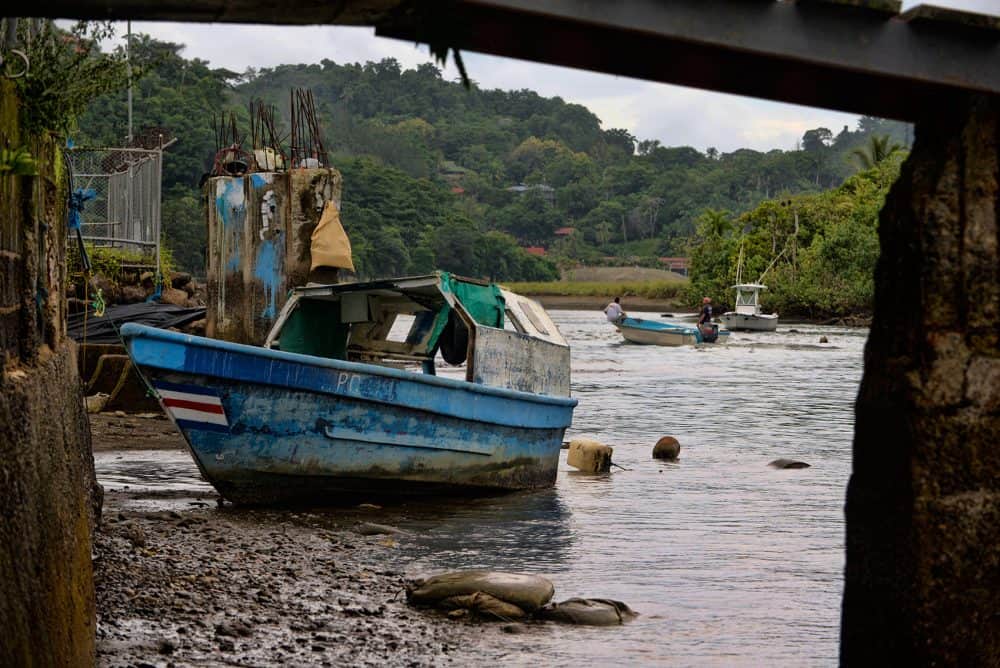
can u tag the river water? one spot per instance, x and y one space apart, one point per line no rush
727 560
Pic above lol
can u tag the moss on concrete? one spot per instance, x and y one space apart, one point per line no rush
48 492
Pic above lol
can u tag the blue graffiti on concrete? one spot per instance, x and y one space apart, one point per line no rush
268 270
230 205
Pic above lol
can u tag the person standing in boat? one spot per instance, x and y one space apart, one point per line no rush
614 310
706 311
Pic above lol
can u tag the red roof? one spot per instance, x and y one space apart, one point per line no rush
458 190
565 231
676 261
535 250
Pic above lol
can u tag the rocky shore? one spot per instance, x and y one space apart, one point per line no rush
182 580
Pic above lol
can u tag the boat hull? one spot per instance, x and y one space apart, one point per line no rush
750 323
268 427
658 338
637 330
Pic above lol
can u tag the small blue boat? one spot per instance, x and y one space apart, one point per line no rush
335 404
658 333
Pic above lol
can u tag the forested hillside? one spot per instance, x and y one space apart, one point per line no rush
439 176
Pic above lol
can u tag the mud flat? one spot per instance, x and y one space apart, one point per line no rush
598 302
182 581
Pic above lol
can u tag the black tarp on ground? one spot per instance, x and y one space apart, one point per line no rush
104 329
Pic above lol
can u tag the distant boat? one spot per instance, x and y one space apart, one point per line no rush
324 408
747 315
658 333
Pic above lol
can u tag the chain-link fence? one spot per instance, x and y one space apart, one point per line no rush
124 211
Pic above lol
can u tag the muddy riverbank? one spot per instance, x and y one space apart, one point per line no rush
597 303
181 580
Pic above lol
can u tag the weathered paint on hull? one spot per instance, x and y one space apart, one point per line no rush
750 323
266 426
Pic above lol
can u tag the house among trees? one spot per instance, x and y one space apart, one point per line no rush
548 193
452 172
678 265
537 251
564 231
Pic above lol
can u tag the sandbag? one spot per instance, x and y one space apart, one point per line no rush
329 245
588 612
483 604
528 592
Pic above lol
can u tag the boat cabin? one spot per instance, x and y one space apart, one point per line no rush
504 339
747 298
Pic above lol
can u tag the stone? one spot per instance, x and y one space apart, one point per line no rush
132 294
484 605
528 592
196 327
589 456
173 296
179 279
135 535
788 464
372 529
667 447
587 612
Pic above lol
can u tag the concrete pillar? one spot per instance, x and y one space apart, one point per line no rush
259 232
48 496
923 504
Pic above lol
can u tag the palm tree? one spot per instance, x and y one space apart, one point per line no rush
878 149
714 223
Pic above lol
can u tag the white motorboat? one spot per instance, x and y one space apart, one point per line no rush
747 315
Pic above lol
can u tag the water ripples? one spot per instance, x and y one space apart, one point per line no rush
729 561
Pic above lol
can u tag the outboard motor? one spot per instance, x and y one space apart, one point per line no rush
709 332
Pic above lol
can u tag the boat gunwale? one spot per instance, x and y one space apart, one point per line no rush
135 330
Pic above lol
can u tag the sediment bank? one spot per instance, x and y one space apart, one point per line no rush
181 580
597 303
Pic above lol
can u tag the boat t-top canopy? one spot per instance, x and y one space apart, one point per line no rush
746 298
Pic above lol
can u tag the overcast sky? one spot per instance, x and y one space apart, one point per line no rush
674 115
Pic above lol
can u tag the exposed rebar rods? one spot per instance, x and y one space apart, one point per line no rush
307 137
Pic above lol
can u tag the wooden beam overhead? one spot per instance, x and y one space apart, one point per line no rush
821 54
852 55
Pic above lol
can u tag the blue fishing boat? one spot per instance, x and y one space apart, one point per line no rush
658 333
338 402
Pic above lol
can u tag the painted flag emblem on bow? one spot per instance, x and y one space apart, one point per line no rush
193 407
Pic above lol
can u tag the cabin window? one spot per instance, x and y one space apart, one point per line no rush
533 317
400 330
511 323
